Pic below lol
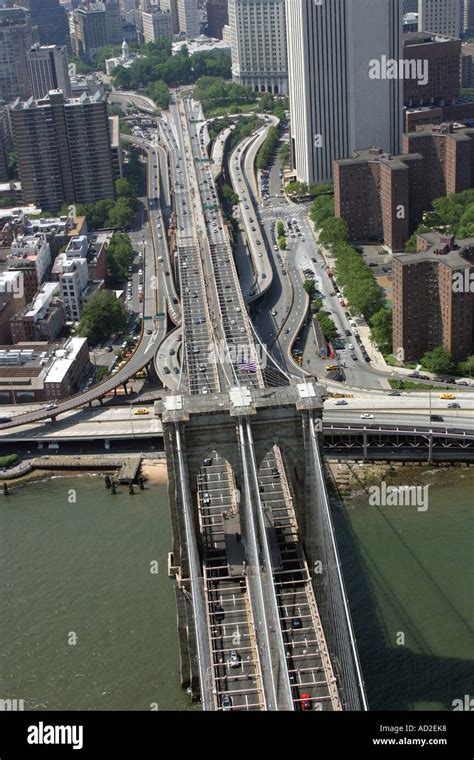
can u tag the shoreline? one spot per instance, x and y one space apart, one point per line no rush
154 470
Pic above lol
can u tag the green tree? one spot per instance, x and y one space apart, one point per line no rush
381 324
467 366
119 258
322 208
280 228
284 154
159 92
327 325
268 148
266 102
297 188
121 213
102 315
438 360
125 189
310 287
333 231
282 243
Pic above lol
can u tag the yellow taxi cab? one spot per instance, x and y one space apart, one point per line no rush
331 367
448 395
141 411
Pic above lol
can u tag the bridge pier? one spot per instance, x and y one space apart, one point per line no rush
196 426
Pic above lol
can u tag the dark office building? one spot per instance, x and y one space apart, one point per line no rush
50 19
217 17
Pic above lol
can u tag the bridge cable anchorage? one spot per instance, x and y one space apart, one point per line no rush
338 591
204 659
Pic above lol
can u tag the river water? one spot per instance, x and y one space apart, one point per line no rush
86 622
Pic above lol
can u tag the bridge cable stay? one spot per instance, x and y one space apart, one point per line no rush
287 693
337 593
258 603
197 584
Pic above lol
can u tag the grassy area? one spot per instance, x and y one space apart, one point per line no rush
233 108
8 460
406 385
393 362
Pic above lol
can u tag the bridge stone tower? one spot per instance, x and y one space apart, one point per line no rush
205 424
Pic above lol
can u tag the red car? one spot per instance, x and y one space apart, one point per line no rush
306 702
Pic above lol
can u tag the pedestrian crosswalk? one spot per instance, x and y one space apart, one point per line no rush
283 210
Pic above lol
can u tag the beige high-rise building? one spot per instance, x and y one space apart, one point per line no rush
258 44
440 16
172 7
156 24
188 15
63 150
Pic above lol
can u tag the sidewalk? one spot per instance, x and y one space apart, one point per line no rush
377 359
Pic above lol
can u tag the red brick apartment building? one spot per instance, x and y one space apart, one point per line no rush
433 301
383 197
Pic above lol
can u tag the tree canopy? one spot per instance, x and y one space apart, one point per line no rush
158 64
268 148
119 258
381 326
102 315
438 360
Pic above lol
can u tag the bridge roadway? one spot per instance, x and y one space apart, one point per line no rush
272 628
249 213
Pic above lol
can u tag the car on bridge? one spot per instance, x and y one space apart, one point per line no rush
366 416
141 411
447 396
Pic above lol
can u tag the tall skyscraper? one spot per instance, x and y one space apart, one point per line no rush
258 43
48 69
63 150
96 25
114 22
15 39
440 16
217 17
188 15
341 98
468 16
50 19
172 7
156 24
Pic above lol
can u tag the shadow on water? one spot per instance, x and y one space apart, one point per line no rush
395 677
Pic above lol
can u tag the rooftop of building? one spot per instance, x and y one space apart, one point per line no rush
42 300
64 358
462 100
376 155
11 16
443 249
200 44
426 38
38 46
57 97
453 129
